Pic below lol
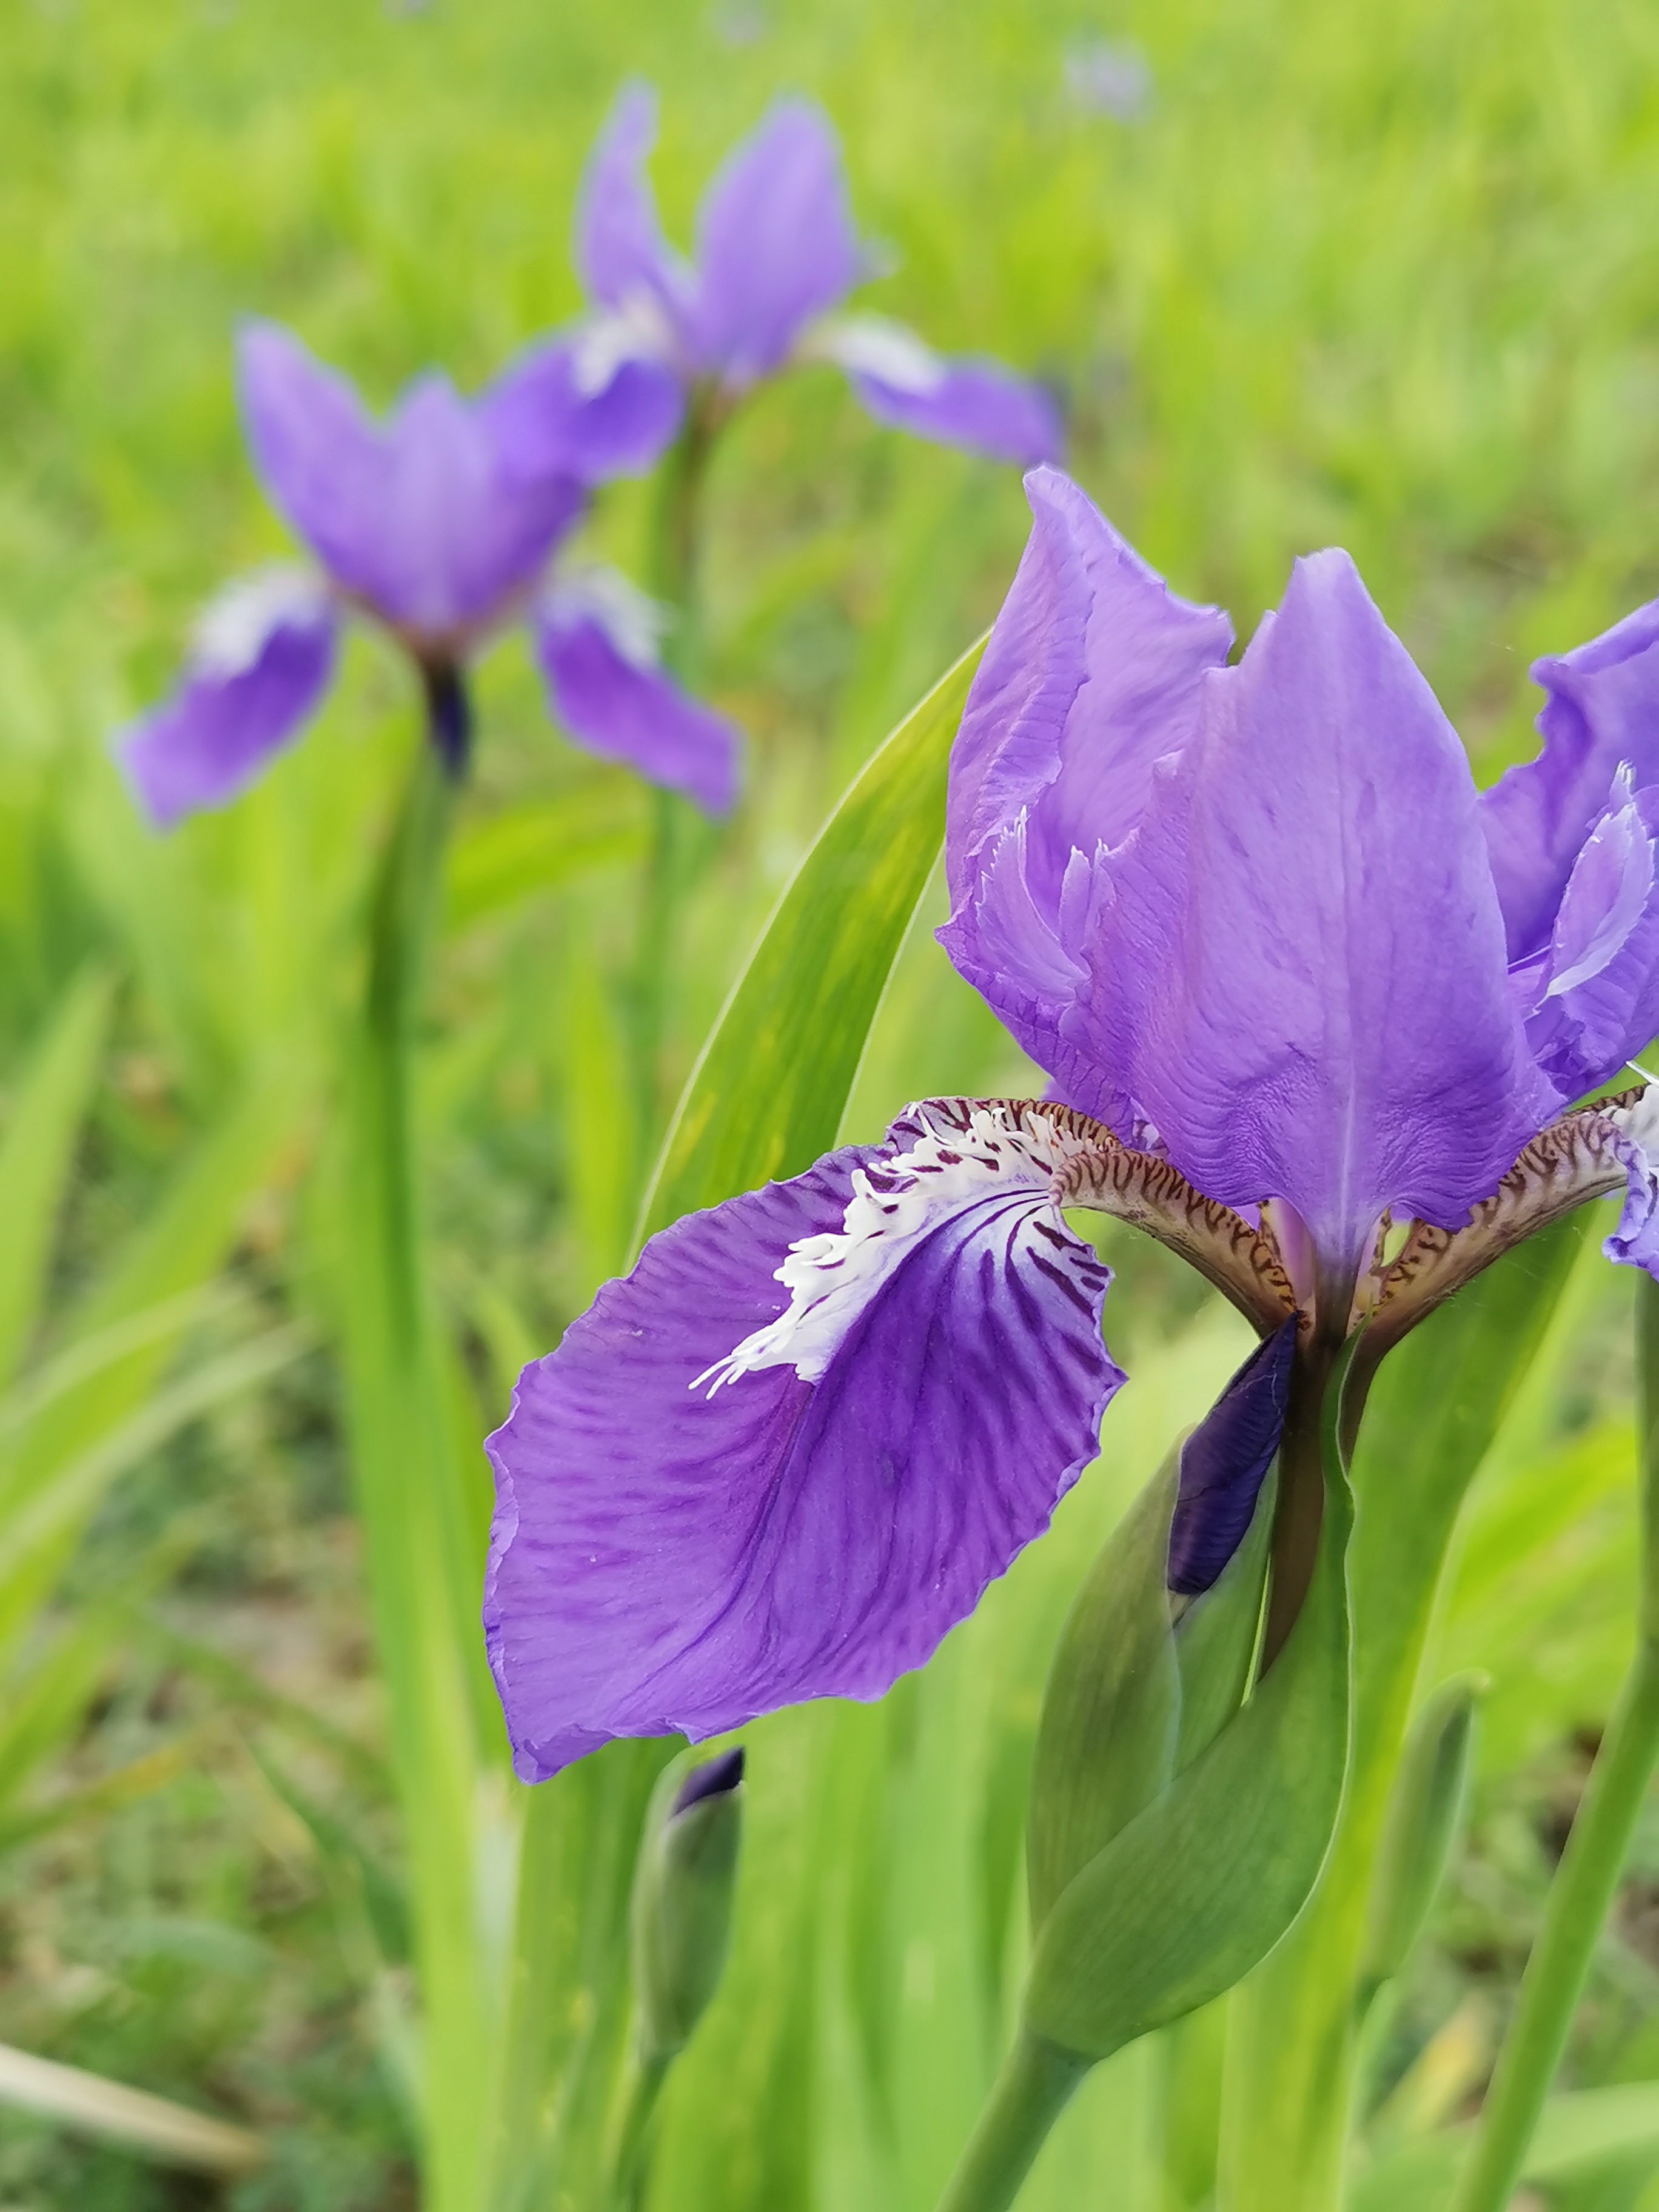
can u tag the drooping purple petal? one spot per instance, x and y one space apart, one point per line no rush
1634 1240
1225 1462
722 1494
547 418
1093 671
977 403
775 244
262 661
1592 1000
597 654
1602 709
1300 972
426 521
621 252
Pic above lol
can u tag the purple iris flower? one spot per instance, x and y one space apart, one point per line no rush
776 254
1316 1013
442 525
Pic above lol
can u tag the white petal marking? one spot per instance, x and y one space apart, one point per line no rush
236 625
993 1157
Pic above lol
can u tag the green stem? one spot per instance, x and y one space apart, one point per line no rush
650 987
1588 1876
1288 2090
631 2161
675 566
676 531
1034 2087
419 1547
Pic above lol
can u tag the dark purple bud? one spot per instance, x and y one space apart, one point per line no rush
1225 1462
448 715
714 1778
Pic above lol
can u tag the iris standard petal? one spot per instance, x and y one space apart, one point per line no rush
319 452
1602 709
722 1494
261 660
621 252
548 417
1300 973
597 654
775 244
1225 1462
1093 671
1593 1000
426 521
463 530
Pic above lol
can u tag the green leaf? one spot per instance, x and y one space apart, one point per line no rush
1433 1411
1425 1813
39 1151
1578 2131
1196 1891
766 1097
494 866
1111 1712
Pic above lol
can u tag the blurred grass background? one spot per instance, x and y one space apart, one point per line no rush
1329 273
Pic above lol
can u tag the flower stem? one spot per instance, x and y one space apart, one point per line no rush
677 532
1036 2084
1590 1865
631 2160
419 1547
675 570
649 991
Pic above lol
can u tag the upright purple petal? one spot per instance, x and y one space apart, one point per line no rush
262 662
722 1494
1299 974
1602 709
321 457
620 249
427 521
548 419
594 644
1225 1462
1093 672
775 244
1591 999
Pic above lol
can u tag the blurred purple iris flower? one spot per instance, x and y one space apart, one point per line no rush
1316 1013
441 525
776 253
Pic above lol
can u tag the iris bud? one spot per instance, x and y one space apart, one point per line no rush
682 1906
1155 1654
1425 1814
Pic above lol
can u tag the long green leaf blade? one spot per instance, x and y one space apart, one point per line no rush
767 1096
38 1151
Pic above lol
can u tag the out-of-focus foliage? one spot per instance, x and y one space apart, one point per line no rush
1388 277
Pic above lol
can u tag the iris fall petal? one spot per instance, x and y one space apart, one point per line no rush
607 691
262 661
722 1494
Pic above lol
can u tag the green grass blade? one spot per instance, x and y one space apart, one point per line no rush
495 866
38 1152
767 1094
41 1529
